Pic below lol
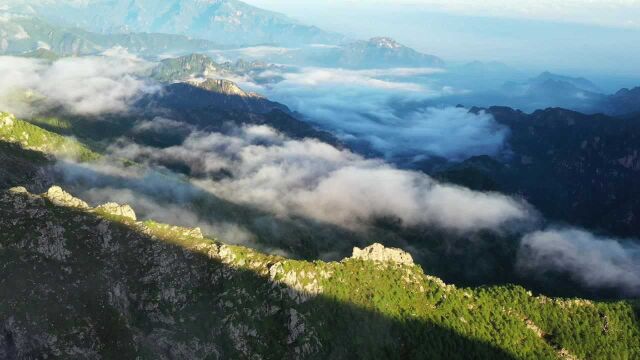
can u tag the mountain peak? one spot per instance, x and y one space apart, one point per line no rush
385 42
577 82
221 86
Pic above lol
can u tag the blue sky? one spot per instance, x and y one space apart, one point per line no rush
588 37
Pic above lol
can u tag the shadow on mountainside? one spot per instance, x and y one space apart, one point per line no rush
76 285
20 166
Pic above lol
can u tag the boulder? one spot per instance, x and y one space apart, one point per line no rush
59 197
377 252
6 119
118 210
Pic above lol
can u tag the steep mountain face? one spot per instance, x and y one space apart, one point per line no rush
227 22
24 34
219 94
101 284
185 67
214 103
582 169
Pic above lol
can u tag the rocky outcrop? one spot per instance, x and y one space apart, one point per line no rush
6 120
377 252
118 210
59 197
222 86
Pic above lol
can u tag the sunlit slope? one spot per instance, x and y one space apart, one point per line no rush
35 138
88 282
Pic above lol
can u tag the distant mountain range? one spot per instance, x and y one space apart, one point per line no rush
25 34
228 22
530 94
379 52
624 102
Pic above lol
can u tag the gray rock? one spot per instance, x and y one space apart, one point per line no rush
377 252
6 120
59 197
118 210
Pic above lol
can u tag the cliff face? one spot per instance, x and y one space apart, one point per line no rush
82 282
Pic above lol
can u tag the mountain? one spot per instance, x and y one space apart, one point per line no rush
576 168
102 284
380 52
185 67
384 52
195 66
28 35
623 102
577 82
212 104
228 22
41 53
552 90
213 93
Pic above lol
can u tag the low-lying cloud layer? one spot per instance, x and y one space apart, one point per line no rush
371 106
83 85
596 262
313 179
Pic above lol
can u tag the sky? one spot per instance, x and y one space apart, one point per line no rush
587 37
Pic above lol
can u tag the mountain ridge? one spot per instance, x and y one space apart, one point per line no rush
156 277
229 22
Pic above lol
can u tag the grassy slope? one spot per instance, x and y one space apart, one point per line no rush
32 137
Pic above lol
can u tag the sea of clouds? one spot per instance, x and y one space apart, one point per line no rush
257 166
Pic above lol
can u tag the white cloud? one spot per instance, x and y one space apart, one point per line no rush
597 262
313 179
369 106
84 85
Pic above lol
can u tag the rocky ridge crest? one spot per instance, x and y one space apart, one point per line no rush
380 253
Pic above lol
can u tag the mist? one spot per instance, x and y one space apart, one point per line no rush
82 85
374 109
571 36
594 261
258 166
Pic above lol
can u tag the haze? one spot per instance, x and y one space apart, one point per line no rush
578 37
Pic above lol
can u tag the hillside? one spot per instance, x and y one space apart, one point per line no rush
577 168
229 22
33 36
202 66
103 285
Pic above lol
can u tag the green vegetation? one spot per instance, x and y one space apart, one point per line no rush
103 284
32 137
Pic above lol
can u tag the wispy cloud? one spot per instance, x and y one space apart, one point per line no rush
309 178
369 106
83 85
597 262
